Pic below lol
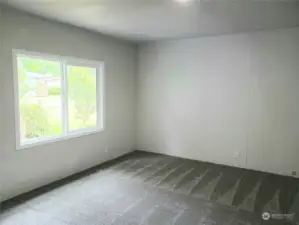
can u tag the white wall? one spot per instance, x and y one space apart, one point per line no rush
215 98
24 170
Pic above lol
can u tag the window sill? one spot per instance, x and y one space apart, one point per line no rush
48 140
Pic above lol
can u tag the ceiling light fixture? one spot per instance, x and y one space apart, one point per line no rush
184 2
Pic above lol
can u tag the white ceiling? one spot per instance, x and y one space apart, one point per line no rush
144 20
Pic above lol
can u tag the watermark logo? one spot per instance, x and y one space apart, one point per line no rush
268 216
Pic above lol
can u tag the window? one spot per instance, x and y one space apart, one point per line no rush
56 98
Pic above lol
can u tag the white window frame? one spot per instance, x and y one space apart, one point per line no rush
66 133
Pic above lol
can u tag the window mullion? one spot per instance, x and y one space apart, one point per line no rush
100 97
64 98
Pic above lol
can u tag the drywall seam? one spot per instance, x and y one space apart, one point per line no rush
249 96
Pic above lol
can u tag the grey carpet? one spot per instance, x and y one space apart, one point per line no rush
150 189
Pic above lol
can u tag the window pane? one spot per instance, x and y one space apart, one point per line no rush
39 97
82 97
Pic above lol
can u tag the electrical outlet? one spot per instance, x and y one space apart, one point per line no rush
294 173
236 155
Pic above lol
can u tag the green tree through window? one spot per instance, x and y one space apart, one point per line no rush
82 97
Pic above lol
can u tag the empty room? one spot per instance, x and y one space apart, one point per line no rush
149 112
